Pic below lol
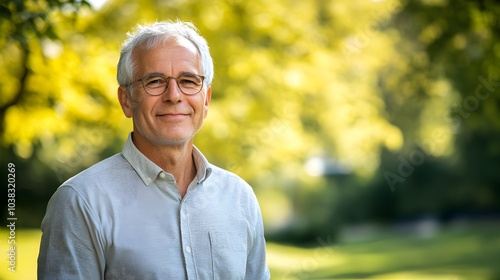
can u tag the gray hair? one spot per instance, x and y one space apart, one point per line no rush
151 36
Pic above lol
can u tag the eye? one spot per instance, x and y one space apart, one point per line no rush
155 82
189 80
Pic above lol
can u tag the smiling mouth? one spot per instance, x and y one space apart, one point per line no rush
172 116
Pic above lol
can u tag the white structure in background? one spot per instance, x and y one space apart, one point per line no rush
321 166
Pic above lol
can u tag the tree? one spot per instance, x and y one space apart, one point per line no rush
364 84
23 24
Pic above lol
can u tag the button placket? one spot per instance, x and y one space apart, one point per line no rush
186 240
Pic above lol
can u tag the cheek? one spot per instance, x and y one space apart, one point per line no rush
142 108
136 109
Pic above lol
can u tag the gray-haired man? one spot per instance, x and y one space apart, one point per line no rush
159 209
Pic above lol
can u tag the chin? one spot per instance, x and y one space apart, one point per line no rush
169 138
180 141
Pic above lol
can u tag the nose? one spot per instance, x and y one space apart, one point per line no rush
172 93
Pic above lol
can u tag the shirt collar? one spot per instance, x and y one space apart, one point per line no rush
148 171
203 168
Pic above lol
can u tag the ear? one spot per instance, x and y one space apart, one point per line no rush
208 97
125 99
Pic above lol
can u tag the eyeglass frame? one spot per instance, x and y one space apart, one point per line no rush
167 79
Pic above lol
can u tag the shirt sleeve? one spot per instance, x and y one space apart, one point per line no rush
256 261
70 247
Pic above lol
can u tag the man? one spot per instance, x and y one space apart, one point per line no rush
158 210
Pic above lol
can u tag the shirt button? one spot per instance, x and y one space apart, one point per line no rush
162 175
188 249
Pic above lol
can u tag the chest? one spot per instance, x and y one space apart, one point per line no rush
154 236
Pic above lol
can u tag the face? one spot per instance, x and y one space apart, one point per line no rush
173 118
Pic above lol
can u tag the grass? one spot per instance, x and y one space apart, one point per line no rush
27 246
451 255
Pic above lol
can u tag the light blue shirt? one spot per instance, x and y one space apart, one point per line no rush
124 218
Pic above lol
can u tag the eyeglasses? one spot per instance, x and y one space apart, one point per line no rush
157 84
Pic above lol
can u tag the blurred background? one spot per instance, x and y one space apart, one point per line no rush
369 130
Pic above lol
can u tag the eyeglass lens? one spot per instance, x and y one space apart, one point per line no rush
189 84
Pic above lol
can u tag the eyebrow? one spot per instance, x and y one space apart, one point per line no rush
153 74
158 74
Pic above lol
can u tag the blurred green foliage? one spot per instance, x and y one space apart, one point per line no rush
400 97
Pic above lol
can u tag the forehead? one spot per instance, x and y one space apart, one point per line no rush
167 50
166 42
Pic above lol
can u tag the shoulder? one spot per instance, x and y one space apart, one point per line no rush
228 178
101 177
98 187
108 167
105 166
231 184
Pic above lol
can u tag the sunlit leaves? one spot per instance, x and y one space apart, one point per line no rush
293 80
286 87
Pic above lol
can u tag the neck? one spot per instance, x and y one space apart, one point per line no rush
176 160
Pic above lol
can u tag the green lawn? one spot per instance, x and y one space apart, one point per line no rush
452 255
466 254
27 243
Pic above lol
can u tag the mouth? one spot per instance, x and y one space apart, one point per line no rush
172 116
